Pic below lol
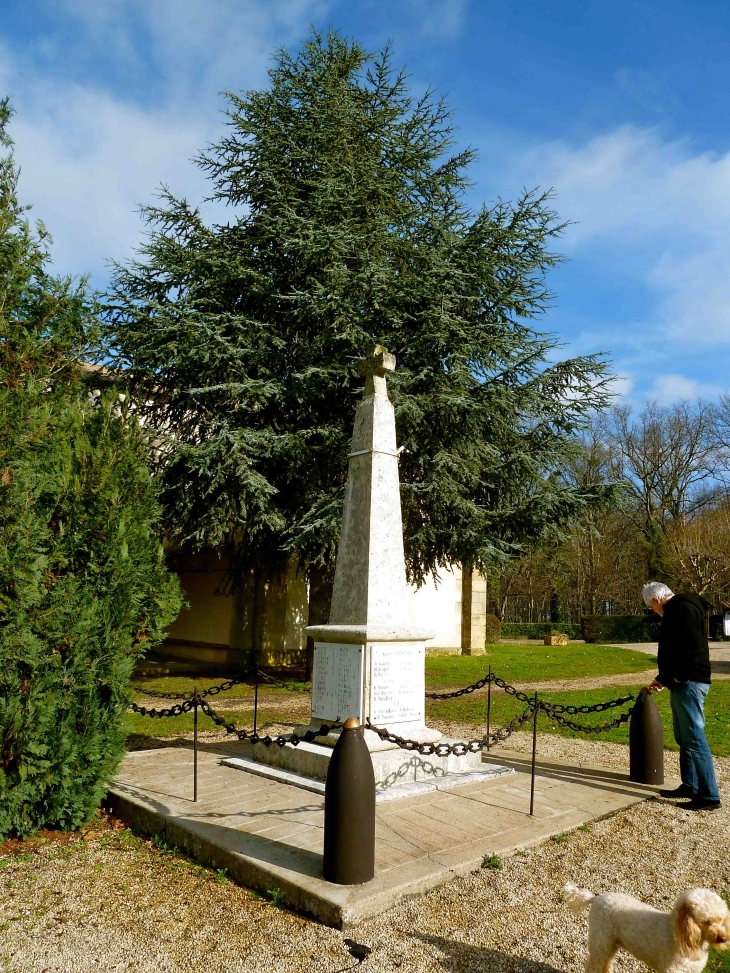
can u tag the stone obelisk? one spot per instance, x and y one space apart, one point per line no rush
369 661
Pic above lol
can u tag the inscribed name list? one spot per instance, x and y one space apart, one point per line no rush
397 683
337 681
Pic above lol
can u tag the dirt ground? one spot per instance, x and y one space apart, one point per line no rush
105 899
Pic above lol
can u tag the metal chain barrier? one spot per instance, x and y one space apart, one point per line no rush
459 747
211 691
597 708
480 684
294 738
555 710
185 707
555 713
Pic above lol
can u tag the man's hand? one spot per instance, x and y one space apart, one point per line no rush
654 687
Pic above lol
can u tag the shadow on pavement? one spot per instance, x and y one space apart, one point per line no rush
466 958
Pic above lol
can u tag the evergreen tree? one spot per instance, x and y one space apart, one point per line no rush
349 227
83 584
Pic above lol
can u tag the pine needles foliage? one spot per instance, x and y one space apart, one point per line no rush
83 584
350 226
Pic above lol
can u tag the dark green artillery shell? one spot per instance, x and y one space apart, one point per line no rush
646 742
349 812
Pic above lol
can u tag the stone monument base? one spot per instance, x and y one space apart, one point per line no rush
391 765
409 731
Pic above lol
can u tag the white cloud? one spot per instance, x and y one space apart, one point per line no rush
439 18
622 385
193 44
668 389
88 161
90 156
658 212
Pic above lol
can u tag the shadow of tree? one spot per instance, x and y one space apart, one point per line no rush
458 957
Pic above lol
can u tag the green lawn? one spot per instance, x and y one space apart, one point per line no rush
472 710
136 726
518 662
185 686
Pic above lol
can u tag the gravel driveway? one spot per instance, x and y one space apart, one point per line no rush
109 901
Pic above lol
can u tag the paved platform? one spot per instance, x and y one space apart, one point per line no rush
268 834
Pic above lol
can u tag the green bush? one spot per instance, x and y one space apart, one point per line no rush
83 584
620 628
493 630
536 630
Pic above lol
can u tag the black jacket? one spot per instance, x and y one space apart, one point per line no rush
683 652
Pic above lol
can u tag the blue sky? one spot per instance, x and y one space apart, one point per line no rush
621 107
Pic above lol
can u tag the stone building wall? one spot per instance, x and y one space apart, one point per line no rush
272 614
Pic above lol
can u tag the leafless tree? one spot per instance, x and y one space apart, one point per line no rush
670 459
697 552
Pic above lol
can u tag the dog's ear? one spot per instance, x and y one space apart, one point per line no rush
687 933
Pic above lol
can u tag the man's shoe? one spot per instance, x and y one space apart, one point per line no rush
682 791
700 804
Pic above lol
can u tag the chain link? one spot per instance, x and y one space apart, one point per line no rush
459 747
184 707
480 684
555 713
293 738
525 698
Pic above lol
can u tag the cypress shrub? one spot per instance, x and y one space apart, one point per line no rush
620 628
83 585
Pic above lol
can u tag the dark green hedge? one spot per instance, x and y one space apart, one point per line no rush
493 630
536 630
620 628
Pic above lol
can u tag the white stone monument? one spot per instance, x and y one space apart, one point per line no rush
369 661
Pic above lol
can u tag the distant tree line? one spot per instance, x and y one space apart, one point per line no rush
669 520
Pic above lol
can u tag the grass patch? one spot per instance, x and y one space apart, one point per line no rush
718 962
135 725
472 710
492 861
185 686
276 898
518 662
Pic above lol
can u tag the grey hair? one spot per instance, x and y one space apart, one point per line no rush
658 590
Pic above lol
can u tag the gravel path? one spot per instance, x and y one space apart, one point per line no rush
109 901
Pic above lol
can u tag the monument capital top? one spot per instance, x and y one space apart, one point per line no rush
374 369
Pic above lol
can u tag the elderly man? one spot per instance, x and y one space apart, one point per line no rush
684 669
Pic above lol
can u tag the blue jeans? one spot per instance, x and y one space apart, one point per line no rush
695 760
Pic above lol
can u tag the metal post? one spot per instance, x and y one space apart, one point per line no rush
256 695
349 810
534 755
646 742
195 744
489 704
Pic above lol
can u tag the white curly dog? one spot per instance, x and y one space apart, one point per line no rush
668 942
